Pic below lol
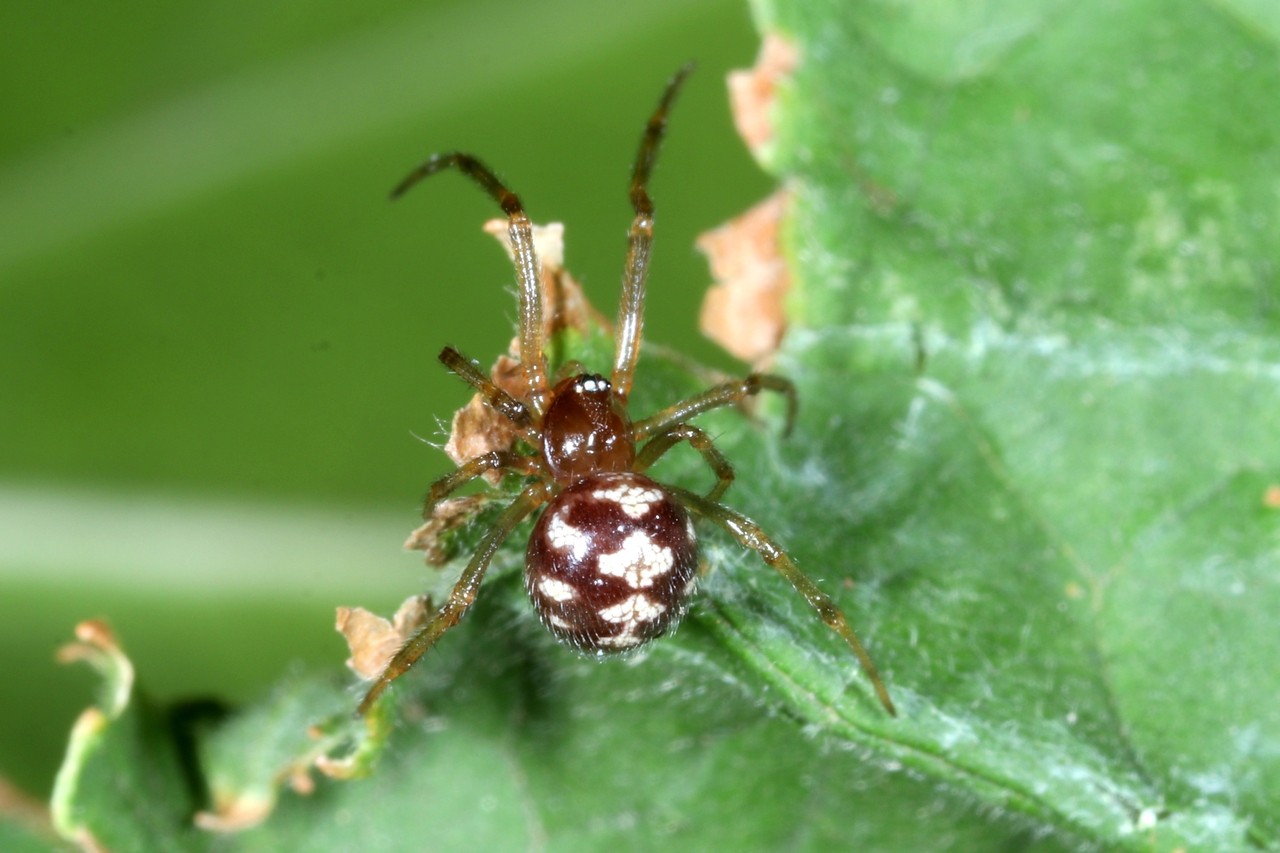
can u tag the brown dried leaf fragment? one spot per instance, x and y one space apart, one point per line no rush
744 311
564 305
752 92
236 815
447 515
478 429
373 639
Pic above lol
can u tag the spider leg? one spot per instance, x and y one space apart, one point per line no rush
494 397
532 358
639 242
494 460
749 534
701 442
725 394
462 597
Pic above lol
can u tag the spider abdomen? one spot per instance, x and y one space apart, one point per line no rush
611 563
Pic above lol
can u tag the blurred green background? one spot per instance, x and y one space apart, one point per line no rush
218 338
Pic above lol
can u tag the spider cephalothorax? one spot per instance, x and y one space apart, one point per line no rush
612 559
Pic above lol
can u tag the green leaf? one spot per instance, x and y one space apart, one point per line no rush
1034 336
123 784
1049 286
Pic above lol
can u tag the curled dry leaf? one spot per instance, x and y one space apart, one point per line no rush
744 310
373 639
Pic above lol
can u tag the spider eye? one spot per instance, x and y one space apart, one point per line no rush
592 384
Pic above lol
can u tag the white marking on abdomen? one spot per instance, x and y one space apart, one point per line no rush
565 537
638 562
638 608
556 589
636 501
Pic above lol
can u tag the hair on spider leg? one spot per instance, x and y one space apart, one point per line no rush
613 556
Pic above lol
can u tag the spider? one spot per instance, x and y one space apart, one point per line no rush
612 560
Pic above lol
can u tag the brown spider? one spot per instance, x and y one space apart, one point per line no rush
612 560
